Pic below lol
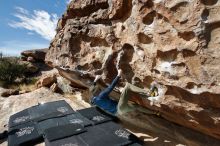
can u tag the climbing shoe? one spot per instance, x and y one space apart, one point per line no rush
157 113
153 91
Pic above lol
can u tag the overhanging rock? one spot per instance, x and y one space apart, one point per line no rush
173 42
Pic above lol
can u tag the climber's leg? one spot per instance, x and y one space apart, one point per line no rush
123 106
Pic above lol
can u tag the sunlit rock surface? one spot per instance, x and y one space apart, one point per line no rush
174 42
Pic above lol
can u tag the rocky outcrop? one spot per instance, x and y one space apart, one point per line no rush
34 59
8 92
156 131
32 55
55 82
54 87
174 42
46 80
31 68
64 85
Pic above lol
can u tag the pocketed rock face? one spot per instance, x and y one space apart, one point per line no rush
174 42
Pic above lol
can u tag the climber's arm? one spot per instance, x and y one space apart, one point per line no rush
109 89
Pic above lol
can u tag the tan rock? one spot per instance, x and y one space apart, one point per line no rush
23 92
64 85
54 87
46 80
31 68
38 54
173 42
156 131
30 59
23 58
8 92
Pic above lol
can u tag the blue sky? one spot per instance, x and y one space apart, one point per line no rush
28 24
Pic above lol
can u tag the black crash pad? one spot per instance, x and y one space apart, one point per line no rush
41 112
59 124
64 131
105 134
56 108
23 125
96 115
19 118
75 118
25 134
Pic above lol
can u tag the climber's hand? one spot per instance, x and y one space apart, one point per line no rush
119 72
97 78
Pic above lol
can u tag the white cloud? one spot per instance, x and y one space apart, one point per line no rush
14 48
68 1
30 33
21 10
40 22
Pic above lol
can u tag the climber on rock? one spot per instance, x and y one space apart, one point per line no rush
102 99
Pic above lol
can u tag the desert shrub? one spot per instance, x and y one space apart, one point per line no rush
10 70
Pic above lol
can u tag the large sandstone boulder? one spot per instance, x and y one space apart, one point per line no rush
160 132
174 42
38 54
